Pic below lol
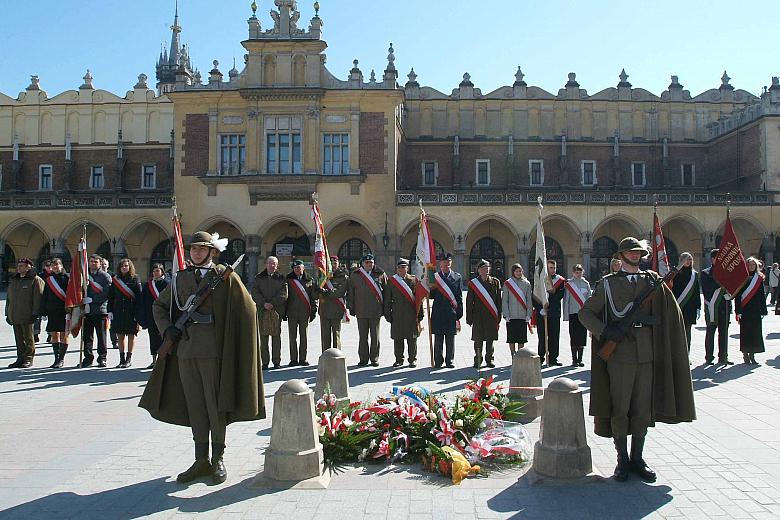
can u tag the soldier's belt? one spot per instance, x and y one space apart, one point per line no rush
201 318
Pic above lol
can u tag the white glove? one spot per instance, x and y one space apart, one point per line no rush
44 318
698 314
87 300
110 316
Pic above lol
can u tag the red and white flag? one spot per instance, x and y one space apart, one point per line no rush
179 263
730 268
77 288
321 260
660 260
425 260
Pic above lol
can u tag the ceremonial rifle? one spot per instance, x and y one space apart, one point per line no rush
194 303
609 345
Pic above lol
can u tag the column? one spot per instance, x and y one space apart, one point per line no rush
768 245
3 274
524 250
117 253
253 255
708 244
459 260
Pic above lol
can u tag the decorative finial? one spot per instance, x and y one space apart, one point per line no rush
316 9
390 55
725 78
215 63
372 78
519 75
254 8
355 63
412 76
623 76
141 81
34 83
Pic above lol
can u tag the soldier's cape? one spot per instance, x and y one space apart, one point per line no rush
672 387
241 378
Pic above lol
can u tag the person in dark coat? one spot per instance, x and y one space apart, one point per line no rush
717 313
22 305
96 318
149 294
750 310
553 312
687 292
483 312
301 309
111 331
365 300
53 307
270 295
123 300
447 310
402 313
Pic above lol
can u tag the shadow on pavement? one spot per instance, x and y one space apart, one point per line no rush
707 376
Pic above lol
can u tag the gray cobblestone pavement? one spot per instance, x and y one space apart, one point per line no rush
74 444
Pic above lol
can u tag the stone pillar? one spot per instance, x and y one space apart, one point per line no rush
708 244
295 454
768 245
459 263
562 450
252 255
3 274
332 376
526 382
524 251
117 253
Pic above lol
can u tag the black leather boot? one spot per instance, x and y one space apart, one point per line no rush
623 462
63 350
753 359
638 464
56 349
580 352
218 471
200 468
121 360
128 358
574 359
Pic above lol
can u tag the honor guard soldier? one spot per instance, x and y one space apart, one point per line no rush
25 290
483 312
270 294
212 376
365 299
647 378
333 306
447 311
402 313
717 314
300 310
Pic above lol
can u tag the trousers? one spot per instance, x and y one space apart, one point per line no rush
200 382
366 327
398 347
25 344
94 324
330 333
298 341
439 354
722 327
276 350
553 337
630 395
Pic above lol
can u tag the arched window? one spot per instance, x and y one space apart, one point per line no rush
603 250
104 250
45 254
351 252
300 246
490 250
162 254
554 252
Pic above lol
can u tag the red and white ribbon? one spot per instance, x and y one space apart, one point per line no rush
372 285
446 290
153 289
485 298
55 288
342 303
123 288
575 293
400 284
300 290
516 291
751 289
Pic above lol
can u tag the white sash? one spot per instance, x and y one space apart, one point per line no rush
483 295
516 291
372 284
300 290
55 287
402 286
342 303
574 291
445 289
751 290
153 289
713 302
96 286
688 288
124 289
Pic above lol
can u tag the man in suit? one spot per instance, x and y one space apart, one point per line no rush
301 309
717 313
333 306
483 312
402 312
553 312
447 311
96 320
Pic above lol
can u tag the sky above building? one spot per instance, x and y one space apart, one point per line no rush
694 39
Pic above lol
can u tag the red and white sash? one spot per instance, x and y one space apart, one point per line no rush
556 281
300 290
403 288
123 288
751 289
95 286
341 302
153 289
575 293
516 291
446 291
485 298
371 284
55 287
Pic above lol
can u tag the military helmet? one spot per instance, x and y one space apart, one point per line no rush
201 238
632 244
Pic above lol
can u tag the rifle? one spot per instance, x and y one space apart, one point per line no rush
194 303
608 347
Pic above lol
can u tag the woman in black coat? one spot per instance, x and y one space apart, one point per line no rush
123 300
750 310
687 292
53 307
149 293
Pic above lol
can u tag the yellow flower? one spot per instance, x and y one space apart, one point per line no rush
460 466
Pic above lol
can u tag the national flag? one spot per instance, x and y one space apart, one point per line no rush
541 281
425 260
77 289
179 263
322 264
660 259
730 268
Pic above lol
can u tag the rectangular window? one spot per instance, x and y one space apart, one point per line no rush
638 173
45 181
430 172
284 146
335 154
149 176
536 172
232 153
688 171
588 170
96 179
483 172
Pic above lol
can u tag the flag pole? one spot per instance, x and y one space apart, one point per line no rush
83 275
430 332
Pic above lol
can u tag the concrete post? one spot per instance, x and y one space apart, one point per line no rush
332 376
562 450
526 378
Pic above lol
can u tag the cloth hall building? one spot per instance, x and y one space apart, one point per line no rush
242 154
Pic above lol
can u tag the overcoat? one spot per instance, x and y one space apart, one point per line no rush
329 307
361 299
444 317
751 336
125 311
484 326
402 315
692 301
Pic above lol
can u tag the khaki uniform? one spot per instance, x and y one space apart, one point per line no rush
363 303
403 317
484 326
21 309
270 289
198 357
331 311
299 313
630 368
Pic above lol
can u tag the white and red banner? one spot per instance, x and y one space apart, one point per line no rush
300 290
372 285
77 288
445 289
123 288
179 263
425 259
321 260
516 291
541 281
55 288
729 267
660 259
485 298
403 287
153 289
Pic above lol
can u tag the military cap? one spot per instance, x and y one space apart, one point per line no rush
445 256
204 238
482 263
367 256
296 262
25 261
334 257
631 244
403 261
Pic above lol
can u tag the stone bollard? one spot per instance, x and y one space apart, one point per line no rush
525 384
332 376
562 450
295 457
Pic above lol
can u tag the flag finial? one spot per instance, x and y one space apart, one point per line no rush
728 203
313 199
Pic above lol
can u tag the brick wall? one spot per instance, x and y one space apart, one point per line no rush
738 154
196 144
372 142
